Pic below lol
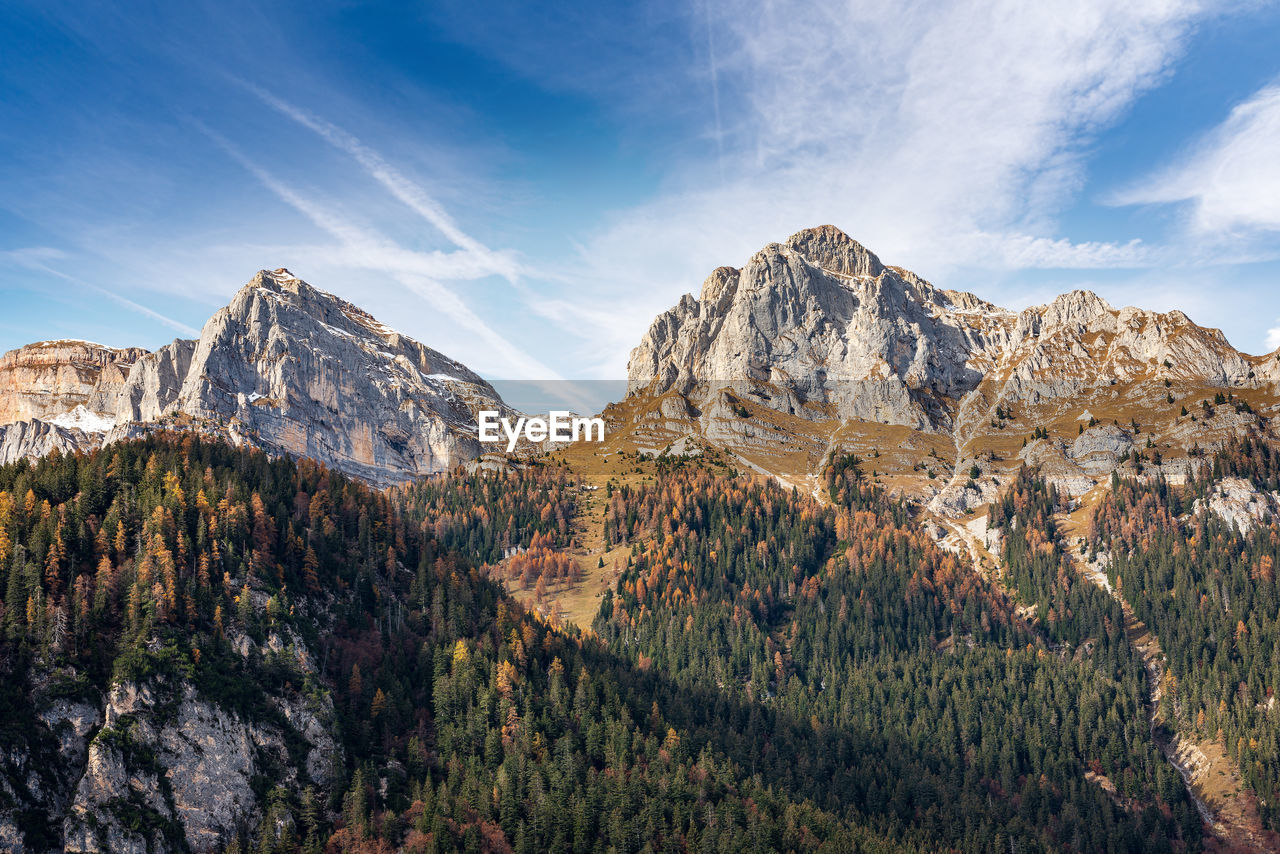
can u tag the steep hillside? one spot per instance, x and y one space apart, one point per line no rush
207 649
1196 564
882 673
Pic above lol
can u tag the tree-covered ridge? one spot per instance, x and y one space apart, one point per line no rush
1086 626
150 560
466 723
171 539
1209 592
874 671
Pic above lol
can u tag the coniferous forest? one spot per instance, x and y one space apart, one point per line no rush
771 672
1208 590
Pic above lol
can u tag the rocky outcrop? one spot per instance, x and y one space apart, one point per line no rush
49 378
1099 449
24 439
819 329
360 397
152 387
1079 342
182 762
962 495
157 766
818 326
1237 502
284 367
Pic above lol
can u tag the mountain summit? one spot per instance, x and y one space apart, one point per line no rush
818 326
815 345
284 366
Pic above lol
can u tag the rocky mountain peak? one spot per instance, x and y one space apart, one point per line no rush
279 278
814 322
274 294
286 367
818 328
721 284
1079 308
833 250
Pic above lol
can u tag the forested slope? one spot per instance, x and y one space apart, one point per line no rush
334 671
1208 590
871 670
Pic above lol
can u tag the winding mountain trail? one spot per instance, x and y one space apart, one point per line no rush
1212 779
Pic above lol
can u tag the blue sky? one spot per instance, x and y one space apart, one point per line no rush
524 186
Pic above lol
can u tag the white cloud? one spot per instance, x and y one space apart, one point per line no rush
35 258
29 255
1273 337
1232 177
418 271
395 182
940 136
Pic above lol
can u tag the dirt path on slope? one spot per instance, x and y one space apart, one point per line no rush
1211 777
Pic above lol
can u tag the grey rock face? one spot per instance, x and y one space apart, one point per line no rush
72 722
960 496
1079 342
1098 449
188 764
24 439
1238 503
152 386
287 368
820 321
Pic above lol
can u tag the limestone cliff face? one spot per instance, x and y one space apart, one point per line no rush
155 765
152 386
24 439
820 329
1079 340
196 786
50 378
284 367
818 326
287 367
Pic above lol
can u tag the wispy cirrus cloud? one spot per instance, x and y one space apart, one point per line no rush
370 250
40 258
423 273
399 185
1230 179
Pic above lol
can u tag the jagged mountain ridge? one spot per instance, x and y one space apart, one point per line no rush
284 367
820 314
815 344
821 321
